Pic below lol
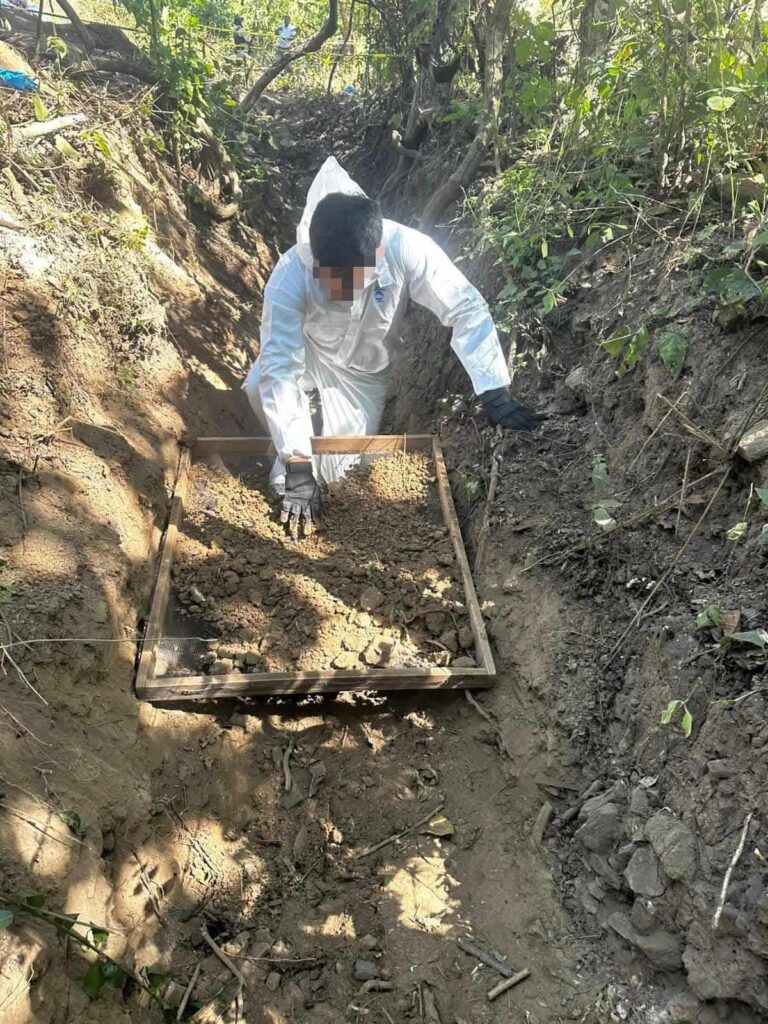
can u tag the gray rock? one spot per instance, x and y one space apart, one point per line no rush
366 970
601 829
682 1008
273 981
639 802
601 867
371 599
762 909
577 380
675 845
642 917
721 768
721 968
662 948
221 667
642 873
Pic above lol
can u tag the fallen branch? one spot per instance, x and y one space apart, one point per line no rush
507 984
278 66
189 990
211 207
10 223
57 124
287 766
486 523
727 879
466 945
399 835
540 825
222 956
79 27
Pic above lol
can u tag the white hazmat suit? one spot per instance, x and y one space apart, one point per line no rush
344 349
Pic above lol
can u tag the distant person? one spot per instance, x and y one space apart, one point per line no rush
241 39
286 33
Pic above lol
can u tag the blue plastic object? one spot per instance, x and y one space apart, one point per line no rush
18 80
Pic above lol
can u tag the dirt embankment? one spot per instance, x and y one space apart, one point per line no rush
127 321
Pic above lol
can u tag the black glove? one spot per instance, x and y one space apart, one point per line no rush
504 410
302 499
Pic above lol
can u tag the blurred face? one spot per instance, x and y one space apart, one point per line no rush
345 284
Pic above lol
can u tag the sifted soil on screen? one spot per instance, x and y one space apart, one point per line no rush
378 587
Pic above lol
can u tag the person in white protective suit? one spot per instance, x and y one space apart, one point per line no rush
333 310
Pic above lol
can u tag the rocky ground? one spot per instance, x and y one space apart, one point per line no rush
338 849
378 586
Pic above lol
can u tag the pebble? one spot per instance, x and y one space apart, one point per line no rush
345 660
464 662
371 599
366 970
273 981
369 942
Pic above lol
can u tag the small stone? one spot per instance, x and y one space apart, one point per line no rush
436 622
449 640
639 802
221 667
252 658
108 841
577 380
601 829
762 909
662 948
371 599
721 768
273 981
230 576
238 721
642 873
464 662
643 917
345 660
674 844
291 799
369 942
379 652
445 558
365 970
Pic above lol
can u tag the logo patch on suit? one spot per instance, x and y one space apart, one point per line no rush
379 295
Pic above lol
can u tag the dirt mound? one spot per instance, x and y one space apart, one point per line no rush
377 587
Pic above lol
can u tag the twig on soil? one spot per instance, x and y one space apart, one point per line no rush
682 490
593 541
188 992
287 766
23 727
747 421
660 583
375 985
507 984
486 523
540 825
466 945
37 130
222 956
479 709
19 671
691 427
657 428
727 879
399 835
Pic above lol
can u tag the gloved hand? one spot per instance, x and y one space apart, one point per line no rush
302 499
504 410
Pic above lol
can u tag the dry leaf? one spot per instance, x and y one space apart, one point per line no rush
439 826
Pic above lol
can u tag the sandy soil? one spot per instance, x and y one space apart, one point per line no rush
377 587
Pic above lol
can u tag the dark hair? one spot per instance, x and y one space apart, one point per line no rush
346 230
238 19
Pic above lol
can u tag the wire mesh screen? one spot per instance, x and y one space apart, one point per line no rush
180 655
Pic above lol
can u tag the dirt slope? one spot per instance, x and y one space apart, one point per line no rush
118 345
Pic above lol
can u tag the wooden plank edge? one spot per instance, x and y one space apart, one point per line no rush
452 522
340 445
161 590
211 687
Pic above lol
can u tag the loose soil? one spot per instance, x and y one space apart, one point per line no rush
376 588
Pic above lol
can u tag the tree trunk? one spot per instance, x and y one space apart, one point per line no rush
451 190
311 46
77 24
347 34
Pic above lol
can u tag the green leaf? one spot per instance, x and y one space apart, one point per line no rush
634 352
762 493
731 285
101 143
544 248
154 979
686 723
66 926
6 919
756 637
94 979
737 531
35 899
73 820
549 301
669 710
99 937
672 349
41 111
605 520
614 345
113 975
65 148
710 616
720 103
600 478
